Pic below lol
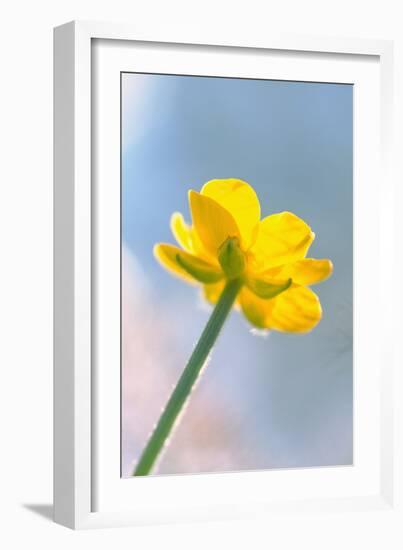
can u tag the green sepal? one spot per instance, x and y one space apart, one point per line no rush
231 258
198 269
265 289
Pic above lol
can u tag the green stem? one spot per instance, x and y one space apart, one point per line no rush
188 378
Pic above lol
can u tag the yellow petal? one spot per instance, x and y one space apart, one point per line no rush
304 272
296 310
212 222
184 265
282 238
241 201
256 310
213 292
182 231
188 239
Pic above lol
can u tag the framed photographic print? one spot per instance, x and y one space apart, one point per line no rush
221 221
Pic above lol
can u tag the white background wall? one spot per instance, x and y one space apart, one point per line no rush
26 265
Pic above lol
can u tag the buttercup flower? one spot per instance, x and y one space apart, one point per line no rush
228 240
259 265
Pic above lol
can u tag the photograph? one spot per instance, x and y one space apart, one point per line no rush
236 274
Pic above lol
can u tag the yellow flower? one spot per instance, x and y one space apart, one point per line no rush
227 240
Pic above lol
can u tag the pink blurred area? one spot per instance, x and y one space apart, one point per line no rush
205 439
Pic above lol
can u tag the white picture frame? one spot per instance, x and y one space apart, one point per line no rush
88 491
